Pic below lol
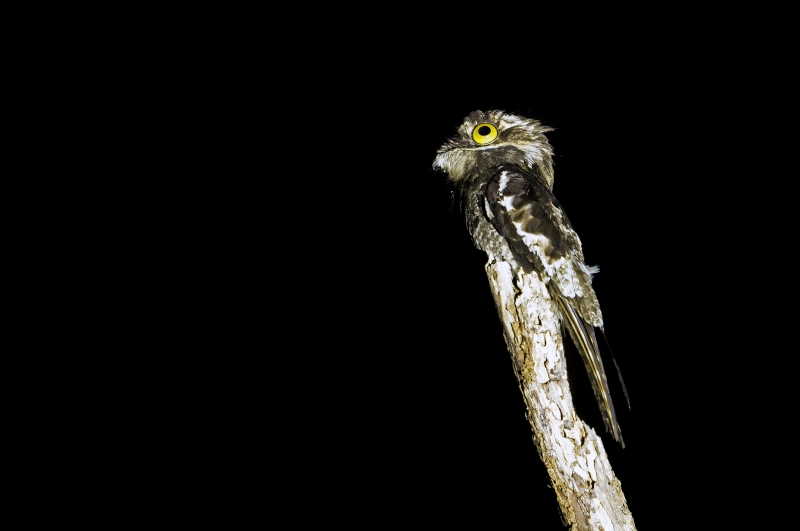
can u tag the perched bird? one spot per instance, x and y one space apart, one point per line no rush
502 166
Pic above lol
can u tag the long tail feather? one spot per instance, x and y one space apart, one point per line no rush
619 372
585 339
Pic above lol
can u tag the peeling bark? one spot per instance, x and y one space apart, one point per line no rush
588 492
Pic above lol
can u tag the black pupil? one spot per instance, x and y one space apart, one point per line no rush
484 130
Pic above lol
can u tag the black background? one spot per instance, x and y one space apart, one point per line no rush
306 331
449 413
360 371
401 395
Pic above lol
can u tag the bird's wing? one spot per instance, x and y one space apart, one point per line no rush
527 215
525 212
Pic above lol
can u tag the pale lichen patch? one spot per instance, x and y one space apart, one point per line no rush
591 457
580 468
600 519
574 434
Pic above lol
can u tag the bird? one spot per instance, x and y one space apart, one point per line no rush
501 165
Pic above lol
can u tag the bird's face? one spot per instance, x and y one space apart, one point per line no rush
490 138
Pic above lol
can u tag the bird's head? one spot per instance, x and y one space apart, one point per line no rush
491 138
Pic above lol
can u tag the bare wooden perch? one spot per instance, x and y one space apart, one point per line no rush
589 494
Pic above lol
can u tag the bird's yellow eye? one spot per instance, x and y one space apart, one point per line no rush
484 133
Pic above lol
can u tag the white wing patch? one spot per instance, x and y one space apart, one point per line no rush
488 209
503 182
562 270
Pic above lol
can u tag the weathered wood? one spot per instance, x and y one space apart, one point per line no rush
588 492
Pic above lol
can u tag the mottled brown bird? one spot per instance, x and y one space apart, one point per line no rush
502 166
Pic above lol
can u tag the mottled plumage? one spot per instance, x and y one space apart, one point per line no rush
502 165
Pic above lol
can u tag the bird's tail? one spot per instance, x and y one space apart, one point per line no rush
585 339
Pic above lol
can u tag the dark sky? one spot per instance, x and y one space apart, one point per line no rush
628 174
391 386
445 411
335 352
